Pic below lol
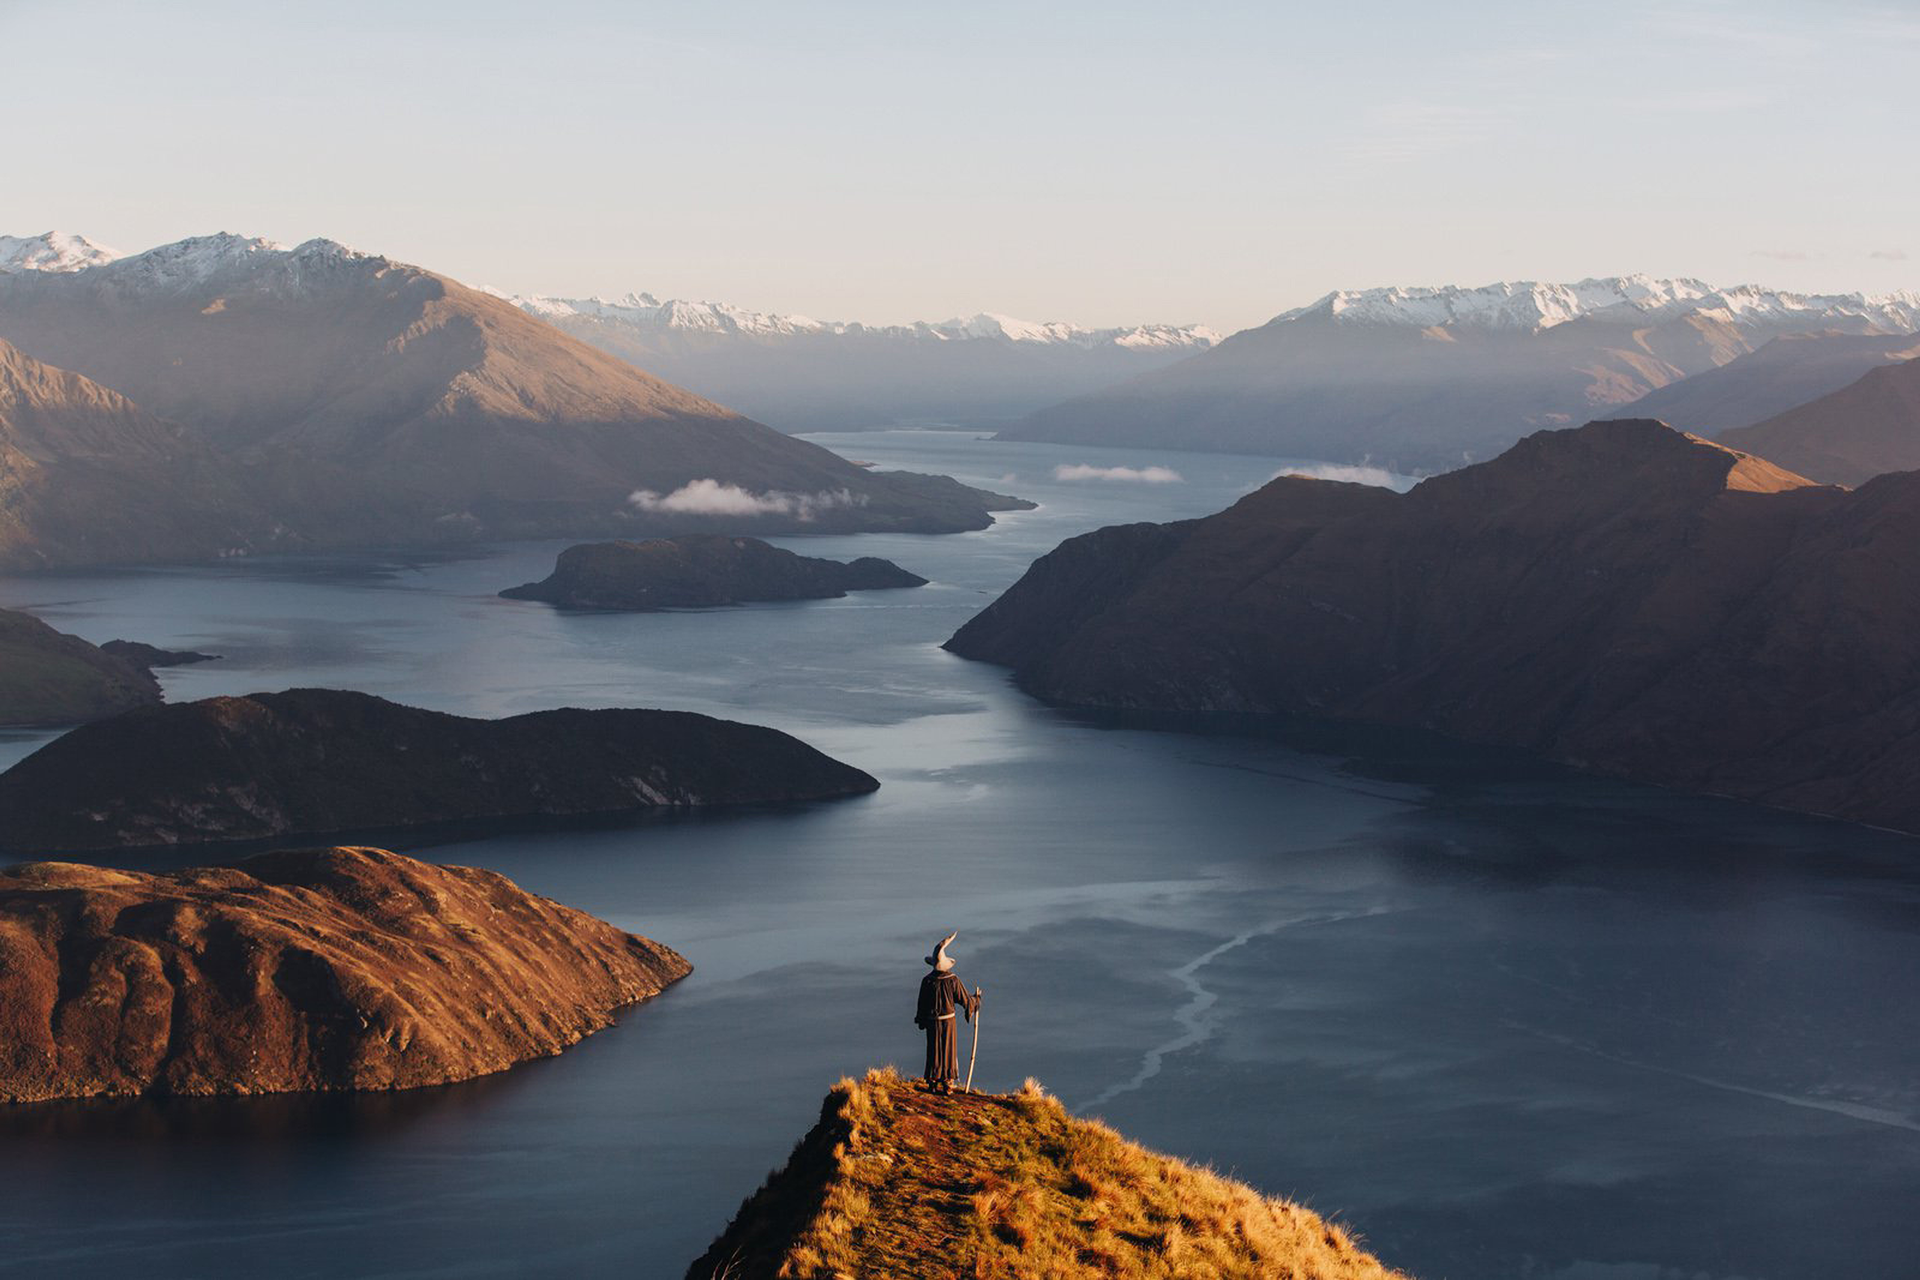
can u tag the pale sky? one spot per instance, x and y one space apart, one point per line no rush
1102 163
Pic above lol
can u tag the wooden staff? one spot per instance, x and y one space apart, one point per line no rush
975 1055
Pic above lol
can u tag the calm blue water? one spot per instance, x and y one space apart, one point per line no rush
1507 1021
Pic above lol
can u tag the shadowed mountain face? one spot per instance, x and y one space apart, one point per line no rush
1865 429
1782 375
88 476
374 399
321 969
321 761
49 677
1428 380
699 572
1621 597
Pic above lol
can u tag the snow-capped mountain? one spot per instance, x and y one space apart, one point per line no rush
803 374
646 312
1425 379
52 251
366 399
200 260
1527 305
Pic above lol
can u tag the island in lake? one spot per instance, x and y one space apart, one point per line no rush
701 571
316 969
312 762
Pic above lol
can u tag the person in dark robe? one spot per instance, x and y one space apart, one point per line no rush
942 996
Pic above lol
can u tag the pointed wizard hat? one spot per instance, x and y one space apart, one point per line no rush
940 960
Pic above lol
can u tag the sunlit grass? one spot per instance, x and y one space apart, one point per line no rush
900 1183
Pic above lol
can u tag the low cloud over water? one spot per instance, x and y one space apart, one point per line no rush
1125 475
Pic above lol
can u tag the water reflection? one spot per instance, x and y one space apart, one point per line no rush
269 1118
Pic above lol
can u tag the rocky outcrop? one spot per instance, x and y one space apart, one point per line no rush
320 969
701 572
1867 428
1621 597
323 761
49 677
897 1182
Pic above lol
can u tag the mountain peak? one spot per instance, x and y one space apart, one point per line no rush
52 251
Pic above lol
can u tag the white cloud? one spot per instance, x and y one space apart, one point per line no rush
712 498
1129 475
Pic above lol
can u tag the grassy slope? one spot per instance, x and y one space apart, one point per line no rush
896 1182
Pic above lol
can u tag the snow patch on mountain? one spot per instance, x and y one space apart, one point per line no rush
53 251
1528 305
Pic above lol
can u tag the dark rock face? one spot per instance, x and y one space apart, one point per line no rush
320 969
1620 597
700 572
141 654
49 677
316 761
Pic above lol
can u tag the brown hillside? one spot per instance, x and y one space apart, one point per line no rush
895 1182
319 969
1867 428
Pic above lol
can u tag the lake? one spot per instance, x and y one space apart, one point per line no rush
1506 1020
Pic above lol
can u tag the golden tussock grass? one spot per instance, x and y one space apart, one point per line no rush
895 1182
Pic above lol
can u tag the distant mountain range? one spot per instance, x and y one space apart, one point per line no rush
1785 373
801 374
360 399
1424 380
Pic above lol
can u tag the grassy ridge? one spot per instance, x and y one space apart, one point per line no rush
896 1182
